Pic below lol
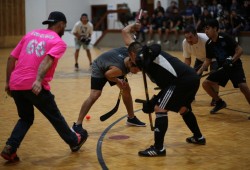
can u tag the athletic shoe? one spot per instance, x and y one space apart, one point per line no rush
135 122
152 152
213 102
81 140
76 65
199 141
219 105
78 129
9 154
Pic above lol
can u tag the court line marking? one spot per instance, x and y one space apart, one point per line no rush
100 140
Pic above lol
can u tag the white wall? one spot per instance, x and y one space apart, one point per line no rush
35 13
38 10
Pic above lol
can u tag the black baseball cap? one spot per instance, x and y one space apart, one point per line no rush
54 17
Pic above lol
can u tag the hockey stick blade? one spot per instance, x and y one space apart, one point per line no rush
111 112
114 110
139 101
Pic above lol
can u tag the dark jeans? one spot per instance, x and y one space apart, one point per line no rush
25 101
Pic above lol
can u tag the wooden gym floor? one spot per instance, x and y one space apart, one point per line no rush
112 144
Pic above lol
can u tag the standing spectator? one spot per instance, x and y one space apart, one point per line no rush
82 31
30 68
227 52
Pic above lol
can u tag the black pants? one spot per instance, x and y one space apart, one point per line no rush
45 103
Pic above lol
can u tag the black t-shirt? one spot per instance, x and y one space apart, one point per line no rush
165 69
221 49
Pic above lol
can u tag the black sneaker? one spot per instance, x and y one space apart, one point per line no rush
152 152
213 102
9 154
135 122
218 106
81 140
78 129
199 141
76 65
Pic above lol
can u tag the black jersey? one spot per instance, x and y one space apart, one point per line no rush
221 49
167 70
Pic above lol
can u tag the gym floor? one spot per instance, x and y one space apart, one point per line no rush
112 144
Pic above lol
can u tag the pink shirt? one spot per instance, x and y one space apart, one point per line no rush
30 52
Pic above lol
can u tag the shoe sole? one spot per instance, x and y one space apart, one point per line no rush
132 124
151 155
196 143
8 158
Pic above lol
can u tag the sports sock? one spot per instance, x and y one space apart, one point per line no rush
190 120
161 126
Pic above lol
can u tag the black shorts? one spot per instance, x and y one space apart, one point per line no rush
99 83
235 74
179 94
198 64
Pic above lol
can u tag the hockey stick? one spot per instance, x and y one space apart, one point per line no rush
139 101
147 97
114 110
211 72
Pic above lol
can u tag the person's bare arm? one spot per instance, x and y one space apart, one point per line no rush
204 66
188 61
128 32
112 75
238 53
42 70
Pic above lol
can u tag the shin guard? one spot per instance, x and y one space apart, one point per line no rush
161 126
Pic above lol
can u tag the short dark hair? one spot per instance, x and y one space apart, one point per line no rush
212 23
84 14
190 29
134 47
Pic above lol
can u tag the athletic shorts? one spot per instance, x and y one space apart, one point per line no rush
235 74
78 45
198 64
180 94
99 83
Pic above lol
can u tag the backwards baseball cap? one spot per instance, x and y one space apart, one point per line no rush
54 17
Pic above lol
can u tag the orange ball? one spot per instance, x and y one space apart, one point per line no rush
88 117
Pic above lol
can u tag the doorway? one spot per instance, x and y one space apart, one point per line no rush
97 12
